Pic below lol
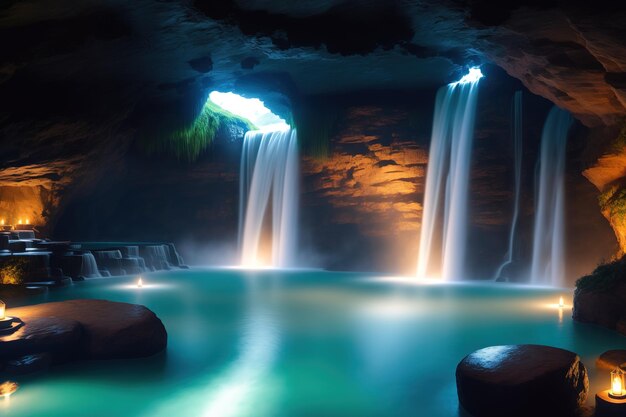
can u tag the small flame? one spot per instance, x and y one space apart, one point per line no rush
19 221
616 385
561 302
27 221
2 222
7 388
139 282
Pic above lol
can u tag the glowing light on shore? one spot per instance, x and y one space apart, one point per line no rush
561 302
617 384
140 282
8 388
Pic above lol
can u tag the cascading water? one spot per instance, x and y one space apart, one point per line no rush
89 268
548 265
447 178
517 150
269 167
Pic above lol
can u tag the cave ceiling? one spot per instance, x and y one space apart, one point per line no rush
75 74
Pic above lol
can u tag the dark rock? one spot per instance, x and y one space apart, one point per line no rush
604 307
57 336
611 359
111 330
202 65
522 381
27 364
249 62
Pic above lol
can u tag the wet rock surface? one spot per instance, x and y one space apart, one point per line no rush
612 359
604 307
110 329
57 336
522 381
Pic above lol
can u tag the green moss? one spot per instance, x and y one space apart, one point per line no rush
188 142
613 200
316 124
604 278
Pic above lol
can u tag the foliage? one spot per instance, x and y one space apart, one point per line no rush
613 200
605 277
316 124
12 270
188 142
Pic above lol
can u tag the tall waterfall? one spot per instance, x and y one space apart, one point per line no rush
447 179
517 151
548 265
269 168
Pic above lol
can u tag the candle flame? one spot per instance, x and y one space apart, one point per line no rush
3 307
561 302
616 385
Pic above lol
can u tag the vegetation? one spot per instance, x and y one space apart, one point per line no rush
12 270
605 277
316 124
188 142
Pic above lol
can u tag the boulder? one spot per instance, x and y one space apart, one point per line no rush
611 359
57 336
522 381
27 364
602 306
110 329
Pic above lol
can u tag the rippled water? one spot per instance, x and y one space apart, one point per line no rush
302 344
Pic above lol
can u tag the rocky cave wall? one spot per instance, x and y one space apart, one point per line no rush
82 80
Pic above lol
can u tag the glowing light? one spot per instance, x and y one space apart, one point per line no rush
2 222
140 282
7 388
27 221
472 76
19 221
617 384
3 307
561 302
252 109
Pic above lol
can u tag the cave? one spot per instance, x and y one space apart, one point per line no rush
262 208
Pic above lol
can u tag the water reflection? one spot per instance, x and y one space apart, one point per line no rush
242 388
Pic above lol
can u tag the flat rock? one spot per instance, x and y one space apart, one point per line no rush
611 359
26 365
522 381
60 337
110 329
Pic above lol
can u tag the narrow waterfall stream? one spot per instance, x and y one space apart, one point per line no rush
548 263
502 272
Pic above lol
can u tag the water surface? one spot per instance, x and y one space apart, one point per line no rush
302 344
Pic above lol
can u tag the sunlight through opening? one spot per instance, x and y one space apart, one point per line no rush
252 109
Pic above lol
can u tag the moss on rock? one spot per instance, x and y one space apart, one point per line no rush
605 277
188 142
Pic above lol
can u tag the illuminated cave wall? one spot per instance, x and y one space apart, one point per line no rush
23 204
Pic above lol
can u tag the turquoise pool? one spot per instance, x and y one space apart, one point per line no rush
302 344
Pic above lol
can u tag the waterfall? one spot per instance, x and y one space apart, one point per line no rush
89 267
517 151
548 265
447 179
269 167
